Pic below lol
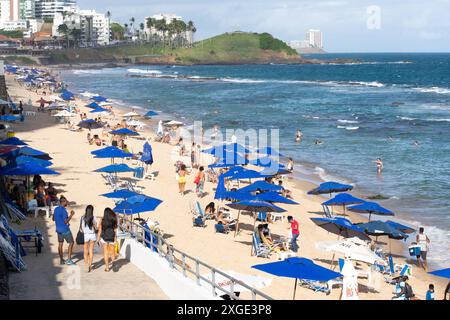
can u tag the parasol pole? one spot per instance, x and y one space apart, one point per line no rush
236 230
295 288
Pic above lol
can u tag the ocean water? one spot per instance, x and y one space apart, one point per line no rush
361 111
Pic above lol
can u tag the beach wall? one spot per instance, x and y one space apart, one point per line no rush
171 282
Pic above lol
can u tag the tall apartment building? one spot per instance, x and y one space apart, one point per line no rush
48 8
14 14
315 38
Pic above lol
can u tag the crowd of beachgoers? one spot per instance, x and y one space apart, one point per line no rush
237 190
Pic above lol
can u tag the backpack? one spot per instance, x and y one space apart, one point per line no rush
408 291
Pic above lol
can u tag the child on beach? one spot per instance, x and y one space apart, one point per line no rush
182 173
430 292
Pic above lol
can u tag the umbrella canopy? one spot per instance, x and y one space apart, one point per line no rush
90 124
255 205
269 151
341 227
240 196
27 159
246 174
98 110
99 99
266 162
226 284
111 152
67 97
232 158
27 151
272 196
380 228
130 114
7 150
343 199
330 187
149 204
147 156
13 141
444 273
125 132
173 123
298 268
120 194
232 171
93 105
220 150
352 248
115 168
150 114
401 227
262 186
371 208
27 169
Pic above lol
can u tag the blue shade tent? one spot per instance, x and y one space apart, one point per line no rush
380 228
262 186
27 159
341 227
111 152
149 204
99 99
150 114
147 156
330 187
98 110
444 273
27 169
124 132
371 208
401 227
266 162
93 105
269 151
272 196
298 268
27 151
90 124
120 194
115 168
13 141
343 199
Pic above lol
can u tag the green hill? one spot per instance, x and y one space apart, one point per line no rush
228 48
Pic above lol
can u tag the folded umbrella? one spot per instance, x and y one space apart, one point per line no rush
13 141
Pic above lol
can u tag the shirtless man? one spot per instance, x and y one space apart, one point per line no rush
379 163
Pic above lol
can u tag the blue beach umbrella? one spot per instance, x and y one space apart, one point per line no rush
343 199
401 227
266 162
224 148
111 152
261 185
330 187
341 227
149 204
147 156
90 124
246 174
150 114
380 228
98 110
27 159
298 268
274 171
99 99
269 151
93 105
272 196
13 141
124 132
120 194
27 169
371 208
232 171
28 151
444 273
239 196
115 168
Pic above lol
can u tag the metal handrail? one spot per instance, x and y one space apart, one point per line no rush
138 232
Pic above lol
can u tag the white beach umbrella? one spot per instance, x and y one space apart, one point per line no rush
256 282
353 249
173 123
64 114
349 282
130 114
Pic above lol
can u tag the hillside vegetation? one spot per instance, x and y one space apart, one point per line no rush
228 48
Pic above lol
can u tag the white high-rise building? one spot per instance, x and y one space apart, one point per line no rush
48 8
315 38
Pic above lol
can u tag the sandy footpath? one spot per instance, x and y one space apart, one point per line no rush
80 185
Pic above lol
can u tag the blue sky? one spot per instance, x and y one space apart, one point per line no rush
394 25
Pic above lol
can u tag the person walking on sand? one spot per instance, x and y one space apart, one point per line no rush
107 236
62 219
89 228
379 164
294 233
423 241
182 173
200 181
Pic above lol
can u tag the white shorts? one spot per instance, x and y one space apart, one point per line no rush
90 237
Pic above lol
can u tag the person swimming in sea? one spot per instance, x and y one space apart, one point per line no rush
416 143
318 142
299 136
379 163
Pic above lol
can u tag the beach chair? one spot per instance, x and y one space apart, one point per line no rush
33 206
199 210
133 187
261 216
220 228
277 216
259 249
314 285
326 211
199 222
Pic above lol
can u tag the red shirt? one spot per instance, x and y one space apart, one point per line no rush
294 227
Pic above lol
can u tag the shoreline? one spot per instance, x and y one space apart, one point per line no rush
174 215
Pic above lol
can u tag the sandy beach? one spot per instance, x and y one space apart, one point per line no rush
71 156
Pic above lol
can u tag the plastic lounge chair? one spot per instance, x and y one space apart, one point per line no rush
199 210
277 216
314 285
220 228
259 249
33 205
198 222
326 211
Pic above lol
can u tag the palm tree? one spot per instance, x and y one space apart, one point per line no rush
76 34
64 29
141 27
